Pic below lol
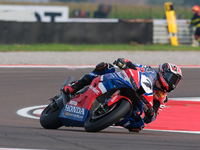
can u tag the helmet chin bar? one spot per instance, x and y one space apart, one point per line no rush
164 84
171 88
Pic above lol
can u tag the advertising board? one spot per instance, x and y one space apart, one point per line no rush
41 13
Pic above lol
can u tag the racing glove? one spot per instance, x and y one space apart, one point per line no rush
149 115
120 62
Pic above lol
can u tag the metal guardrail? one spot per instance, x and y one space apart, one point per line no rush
161 34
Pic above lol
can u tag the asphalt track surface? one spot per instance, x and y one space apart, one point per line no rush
25 87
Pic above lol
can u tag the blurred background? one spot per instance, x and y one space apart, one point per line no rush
129 9
117 21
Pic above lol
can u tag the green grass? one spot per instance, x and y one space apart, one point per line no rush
101 47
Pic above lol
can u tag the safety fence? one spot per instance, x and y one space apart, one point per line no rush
161 34
123 31
94 31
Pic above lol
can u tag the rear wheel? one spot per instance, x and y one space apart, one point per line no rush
95 124
49 118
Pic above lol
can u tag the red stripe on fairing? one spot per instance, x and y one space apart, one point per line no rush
135 74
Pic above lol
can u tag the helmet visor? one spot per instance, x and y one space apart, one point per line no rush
172 79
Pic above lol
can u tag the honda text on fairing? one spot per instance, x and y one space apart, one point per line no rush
103 103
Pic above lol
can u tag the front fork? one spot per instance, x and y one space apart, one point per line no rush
109 104
116 97
134 120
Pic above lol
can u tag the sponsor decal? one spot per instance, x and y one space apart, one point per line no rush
73 102
156 95
113 99
160 94
108 75
67 114
42 13
74 109
94 90
126 124
75 116
123 75
92 74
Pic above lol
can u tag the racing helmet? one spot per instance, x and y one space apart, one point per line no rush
169 76
196 8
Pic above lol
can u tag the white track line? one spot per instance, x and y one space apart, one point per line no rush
193 132
24 111
194 99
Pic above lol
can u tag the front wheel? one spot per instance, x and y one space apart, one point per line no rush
49 118
118 112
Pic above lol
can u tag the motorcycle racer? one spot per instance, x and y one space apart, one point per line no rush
166 79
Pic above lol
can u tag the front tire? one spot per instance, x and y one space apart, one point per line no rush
49 118
112 117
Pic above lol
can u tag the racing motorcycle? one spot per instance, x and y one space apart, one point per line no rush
108 99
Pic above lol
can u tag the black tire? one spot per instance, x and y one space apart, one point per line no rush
112 117
49 118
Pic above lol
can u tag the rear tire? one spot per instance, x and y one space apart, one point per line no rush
112 117
49 118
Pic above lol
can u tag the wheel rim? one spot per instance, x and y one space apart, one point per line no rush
96 117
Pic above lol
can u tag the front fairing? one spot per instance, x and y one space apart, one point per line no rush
139 81
128 78
116 80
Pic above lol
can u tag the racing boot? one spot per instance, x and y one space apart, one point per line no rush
77 85
135 129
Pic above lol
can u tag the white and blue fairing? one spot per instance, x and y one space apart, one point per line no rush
115 80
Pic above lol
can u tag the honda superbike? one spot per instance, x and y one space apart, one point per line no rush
108 99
